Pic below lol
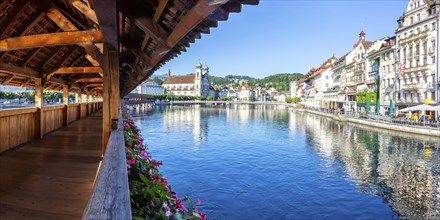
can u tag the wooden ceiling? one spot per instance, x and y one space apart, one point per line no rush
61 41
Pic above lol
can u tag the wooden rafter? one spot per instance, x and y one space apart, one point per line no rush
193 18
75 70
7 80
196 15
50 57
66 56
16 11
25 83
58 18
19 71
88 80
159 9
52 39
94 85
106 12
146 24
84 9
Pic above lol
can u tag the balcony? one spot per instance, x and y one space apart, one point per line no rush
414 37
412 87
371 81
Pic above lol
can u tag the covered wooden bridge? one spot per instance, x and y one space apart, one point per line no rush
51 163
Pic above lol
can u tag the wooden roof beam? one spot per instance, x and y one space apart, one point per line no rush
52 39
15 12
8 79
84 9
145 23
26 82
75 70
159 9
58 18
88 80
107 14
18 71
193 18
94 85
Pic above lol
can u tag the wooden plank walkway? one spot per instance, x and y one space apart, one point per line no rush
52 178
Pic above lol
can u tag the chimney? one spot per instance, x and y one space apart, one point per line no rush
169 73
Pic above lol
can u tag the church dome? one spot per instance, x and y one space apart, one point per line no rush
199 65
205 67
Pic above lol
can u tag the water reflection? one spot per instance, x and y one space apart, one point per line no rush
404 171
310 165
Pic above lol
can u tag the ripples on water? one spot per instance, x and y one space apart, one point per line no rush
260 162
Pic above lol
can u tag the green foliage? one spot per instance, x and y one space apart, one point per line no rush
158 80
52 96
293 100
215 80
209 98
279 81
361 98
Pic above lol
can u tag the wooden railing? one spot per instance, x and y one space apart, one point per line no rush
110 197
53 117
21 125
73 112
17 126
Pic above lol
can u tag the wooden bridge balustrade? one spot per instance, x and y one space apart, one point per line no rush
19 126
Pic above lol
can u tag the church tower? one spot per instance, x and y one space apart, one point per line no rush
198 80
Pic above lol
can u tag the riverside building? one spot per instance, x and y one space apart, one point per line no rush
417 54
191 85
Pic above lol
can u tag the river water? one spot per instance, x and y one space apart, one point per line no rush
264 162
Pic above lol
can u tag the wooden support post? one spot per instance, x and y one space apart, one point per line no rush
110 94
80 102
66 104
39 104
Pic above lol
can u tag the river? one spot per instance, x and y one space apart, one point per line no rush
264 162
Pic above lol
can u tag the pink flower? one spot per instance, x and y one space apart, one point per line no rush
174 197
179 204
152 204
164 181
165 206
198 202
202 215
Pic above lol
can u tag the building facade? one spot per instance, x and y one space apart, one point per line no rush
196 84
150 87
417 54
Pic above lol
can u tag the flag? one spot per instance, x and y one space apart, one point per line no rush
305 86
401 68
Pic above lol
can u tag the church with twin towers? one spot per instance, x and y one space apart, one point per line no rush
195 84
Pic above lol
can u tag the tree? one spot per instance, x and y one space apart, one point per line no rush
209 98
158 80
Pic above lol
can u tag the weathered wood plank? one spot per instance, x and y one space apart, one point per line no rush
52 39
110 197
19 71
51 178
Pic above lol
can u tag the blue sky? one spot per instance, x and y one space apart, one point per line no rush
285 36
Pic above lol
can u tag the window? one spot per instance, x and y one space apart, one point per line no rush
418 17
417 49
433 26
411 33
404 35
418 30
425 27
433 59
425 48
411 20
404 55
